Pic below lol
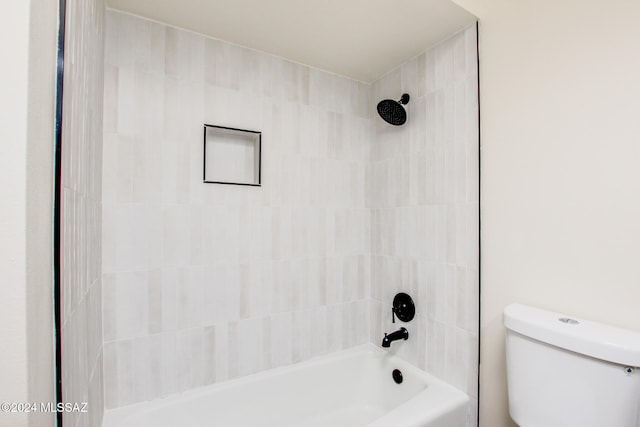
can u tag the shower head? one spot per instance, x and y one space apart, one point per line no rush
393 111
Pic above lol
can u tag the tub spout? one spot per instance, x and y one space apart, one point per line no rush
400 334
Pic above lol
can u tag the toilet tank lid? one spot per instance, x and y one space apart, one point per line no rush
594 339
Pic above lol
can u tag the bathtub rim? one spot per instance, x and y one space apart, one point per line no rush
450 400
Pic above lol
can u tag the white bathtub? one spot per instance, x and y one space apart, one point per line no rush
349 388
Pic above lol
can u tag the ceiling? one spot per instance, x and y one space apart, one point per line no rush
360 39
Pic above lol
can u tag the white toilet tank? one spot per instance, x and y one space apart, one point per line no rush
570 372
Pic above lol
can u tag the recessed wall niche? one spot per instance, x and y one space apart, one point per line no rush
231 156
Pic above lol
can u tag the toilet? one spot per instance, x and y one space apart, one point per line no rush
569 372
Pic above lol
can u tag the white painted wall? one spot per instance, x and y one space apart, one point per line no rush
560 102
14 43
26 138
39 206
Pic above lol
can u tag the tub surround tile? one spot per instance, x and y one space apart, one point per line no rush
233 281
147 367
424 211
132 305
81 214
110 369
124 373
221 281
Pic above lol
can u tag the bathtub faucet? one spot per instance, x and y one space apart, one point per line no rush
400 334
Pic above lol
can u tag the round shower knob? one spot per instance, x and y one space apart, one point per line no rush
403 307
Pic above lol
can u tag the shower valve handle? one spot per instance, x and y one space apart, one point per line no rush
403 308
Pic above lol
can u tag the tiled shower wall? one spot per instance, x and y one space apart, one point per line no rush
81 220
204 282
423 181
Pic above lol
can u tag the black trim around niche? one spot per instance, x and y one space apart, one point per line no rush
204 156
57 199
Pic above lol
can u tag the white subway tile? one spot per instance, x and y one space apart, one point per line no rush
111 388
125 372
281 337
249 344
147 367
240 279
132 305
